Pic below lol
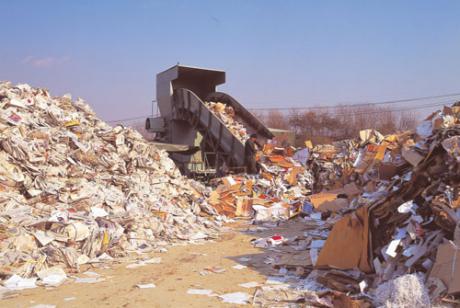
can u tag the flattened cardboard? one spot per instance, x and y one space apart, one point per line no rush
328 201
447 266
412 156
348 243
334 206
320 198
387 171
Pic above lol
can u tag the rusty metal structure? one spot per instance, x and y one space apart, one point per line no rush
181 93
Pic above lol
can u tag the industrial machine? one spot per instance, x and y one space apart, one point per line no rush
181 93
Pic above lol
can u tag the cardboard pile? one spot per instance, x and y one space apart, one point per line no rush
326 178
227 115
416 211
365 167
75 190
278 192
404 222
332 164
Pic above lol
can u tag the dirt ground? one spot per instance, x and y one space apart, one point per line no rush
178 271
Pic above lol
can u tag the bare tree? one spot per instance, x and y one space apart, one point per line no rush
259 114
276 119
387 121
407 120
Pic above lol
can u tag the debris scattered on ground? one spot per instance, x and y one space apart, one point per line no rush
376 209
380 214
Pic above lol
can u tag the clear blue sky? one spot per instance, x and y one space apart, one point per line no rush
275 53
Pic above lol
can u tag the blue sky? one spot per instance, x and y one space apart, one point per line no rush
275 53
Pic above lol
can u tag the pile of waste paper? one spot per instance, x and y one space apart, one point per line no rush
277 193
290 182
381 213
75 190
396 242
332 164
227 115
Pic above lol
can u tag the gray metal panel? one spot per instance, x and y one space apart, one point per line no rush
165 91
199 80
229 143
155 124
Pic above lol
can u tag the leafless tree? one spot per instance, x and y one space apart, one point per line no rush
407 120
259 114
276 119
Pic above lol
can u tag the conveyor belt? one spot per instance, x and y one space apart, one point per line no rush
189 107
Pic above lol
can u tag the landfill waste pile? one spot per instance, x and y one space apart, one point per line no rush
227 115
75 190
332 164
293 181
278 193
396 243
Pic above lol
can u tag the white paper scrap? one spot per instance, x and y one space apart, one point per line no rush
200 235
98 212
53 276
91 274
313 256
153 261
315 216
16 282
54 280
276 280
249 285
146 286
363 286
43 238
88 280
407 207
199 292
391 250
239 298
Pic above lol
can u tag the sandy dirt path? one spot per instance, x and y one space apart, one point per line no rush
179 270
